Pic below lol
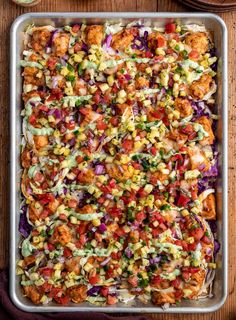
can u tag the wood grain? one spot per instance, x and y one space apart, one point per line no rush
9 11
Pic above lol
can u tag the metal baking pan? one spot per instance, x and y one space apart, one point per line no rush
213 23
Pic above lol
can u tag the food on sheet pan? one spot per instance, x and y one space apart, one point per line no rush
119 164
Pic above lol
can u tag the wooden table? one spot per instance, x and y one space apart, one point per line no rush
9 11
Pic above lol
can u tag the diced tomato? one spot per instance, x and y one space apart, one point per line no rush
32 119
70 125
191 270
176 283
114 121
127 145
62 300
161 41
120 232
163 226
179 294
63 217
104 291
133 280
82 228
94 279
156 280
188 129
166 121
208 259
142 193
82 239
46 198
194 194
44 214
51 63
178 242
47 272
170 27
193 55
140 216
109 273
183 149
169 51
192 246
197 233
157 114
43 108
185 275
192 135
97 97
79 159
153 150
77 47
56 94
107 98
156 232
136 165
158 58
39 177
50 246
45 185
148 54
101 200
184 245
156 216
101 125
84 111
144 236
206 240
112 183
114 89
55 292
115 212
75 28
67 252
176 37
46 287
178 157
72 203
122 80
116 255
111 299
183 200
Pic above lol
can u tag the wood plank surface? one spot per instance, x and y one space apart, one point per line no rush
8 12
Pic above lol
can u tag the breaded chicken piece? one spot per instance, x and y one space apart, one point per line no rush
201 87
207 126
197 41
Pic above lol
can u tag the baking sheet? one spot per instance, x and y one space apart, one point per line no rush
213 23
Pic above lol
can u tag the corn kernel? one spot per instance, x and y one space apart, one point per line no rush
96 222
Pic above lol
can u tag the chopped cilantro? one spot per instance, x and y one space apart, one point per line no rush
165 207
69 67
70 78
58 67
185 54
